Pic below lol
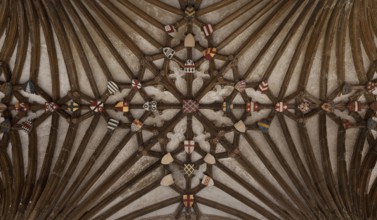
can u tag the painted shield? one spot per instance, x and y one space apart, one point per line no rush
97 106
354 106
227 107
72 106
207 29
189 146
210 159
167 159
122 106
264 125
190 12
209 53
112 124
240 126
112 87
26 126
188 200
51 107
190 106
346 124
150 106
189 66
168 52
188 169
371 86
304 107
263 87
167 180
240 86
207 181
252 106
328 107
281 107
136 125
21 107
170 29
136 84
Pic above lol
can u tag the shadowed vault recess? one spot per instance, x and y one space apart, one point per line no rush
188 109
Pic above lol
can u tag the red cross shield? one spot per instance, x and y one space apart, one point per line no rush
188 200
189 146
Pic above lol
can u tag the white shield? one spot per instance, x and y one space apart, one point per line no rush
167 180
210 159
167 159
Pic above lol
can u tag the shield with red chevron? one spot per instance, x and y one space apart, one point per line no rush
263 86
190 12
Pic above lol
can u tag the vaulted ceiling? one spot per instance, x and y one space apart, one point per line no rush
162 109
